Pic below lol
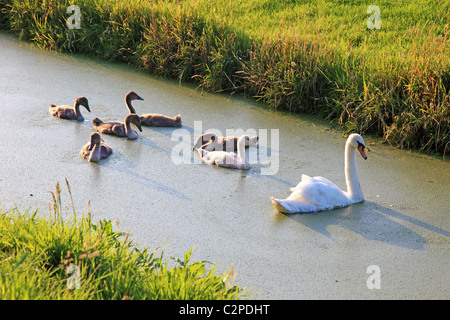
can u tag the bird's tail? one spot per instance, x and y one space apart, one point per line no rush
278 206
293 206
177 119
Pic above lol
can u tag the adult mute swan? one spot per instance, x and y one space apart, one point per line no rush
96 149
121 129
152 119
314 194
68 112
228 143
226 159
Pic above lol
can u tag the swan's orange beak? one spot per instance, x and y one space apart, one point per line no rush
363 153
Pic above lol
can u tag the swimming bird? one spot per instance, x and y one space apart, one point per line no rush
68 112
121 129
96 149
226 159
152 119
314 194
160 120
130 96
227 143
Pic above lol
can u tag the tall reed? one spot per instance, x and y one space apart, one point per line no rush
314 57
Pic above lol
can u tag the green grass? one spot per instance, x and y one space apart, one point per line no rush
314 56
36 251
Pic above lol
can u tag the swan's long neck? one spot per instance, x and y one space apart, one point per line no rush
95 152
130 107
241 150
76 108
129 131
212 144
354 191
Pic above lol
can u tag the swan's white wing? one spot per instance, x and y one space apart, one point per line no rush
308 179
325 180
305 179
319 191
220 158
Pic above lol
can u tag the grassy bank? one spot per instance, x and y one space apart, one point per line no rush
37 251
303 56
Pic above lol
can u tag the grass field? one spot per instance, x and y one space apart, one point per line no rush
314 56
61 256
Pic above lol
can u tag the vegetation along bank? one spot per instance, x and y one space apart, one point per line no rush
62 256
321 57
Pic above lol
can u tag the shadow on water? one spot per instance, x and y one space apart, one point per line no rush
118 162
153 184
150 143
168 131
255 172
371 221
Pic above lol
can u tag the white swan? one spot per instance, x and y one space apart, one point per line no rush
314 194
226 159
96 149
228 143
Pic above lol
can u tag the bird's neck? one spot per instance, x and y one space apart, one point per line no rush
95 153
76 108
129 131
129 106
351 174
212 144
241 150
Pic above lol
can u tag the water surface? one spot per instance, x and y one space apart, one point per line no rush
402 227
